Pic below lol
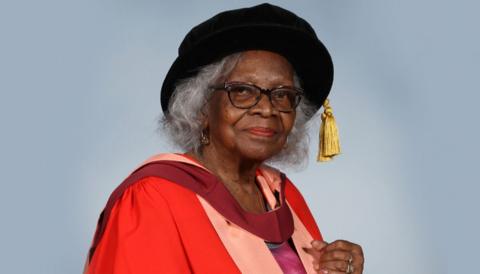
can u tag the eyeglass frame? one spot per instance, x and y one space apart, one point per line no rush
267 91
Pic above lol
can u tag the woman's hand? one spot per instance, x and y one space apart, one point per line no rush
338 257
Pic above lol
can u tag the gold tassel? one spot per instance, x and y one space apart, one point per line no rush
329 144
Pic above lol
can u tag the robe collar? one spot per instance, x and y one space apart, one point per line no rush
273 226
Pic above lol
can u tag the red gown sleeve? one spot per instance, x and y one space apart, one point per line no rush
132 243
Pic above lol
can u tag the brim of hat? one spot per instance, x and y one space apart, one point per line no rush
308 56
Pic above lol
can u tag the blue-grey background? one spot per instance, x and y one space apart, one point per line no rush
79 102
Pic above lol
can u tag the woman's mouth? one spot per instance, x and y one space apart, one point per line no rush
262 131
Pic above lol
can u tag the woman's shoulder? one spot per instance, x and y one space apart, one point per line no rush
153 176
156 194
152 187
128 228
144 199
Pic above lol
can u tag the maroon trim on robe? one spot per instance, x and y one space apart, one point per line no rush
273 226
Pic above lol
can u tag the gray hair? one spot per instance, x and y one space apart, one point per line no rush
183 121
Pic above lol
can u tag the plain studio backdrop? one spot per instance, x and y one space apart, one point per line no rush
80 85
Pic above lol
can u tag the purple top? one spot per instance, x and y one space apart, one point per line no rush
284 253
287 258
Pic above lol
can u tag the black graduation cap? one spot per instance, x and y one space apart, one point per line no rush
262 27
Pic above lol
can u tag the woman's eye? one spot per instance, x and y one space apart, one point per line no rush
281 94
242 90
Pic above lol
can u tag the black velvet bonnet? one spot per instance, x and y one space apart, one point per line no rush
262 27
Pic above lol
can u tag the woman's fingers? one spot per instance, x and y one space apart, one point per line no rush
318 245
356 253
315 250
326 271
357 262
341 244
335 265
336 257
336 254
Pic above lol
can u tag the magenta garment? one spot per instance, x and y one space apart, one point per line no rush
285 255
287 258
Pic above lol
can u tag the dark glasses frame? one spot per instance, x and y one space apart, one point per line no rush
227 87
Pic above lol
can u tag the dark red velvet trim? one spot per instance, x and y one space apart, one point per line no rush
273 226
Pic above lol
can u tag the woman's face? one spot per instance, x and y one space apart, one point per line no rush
260 132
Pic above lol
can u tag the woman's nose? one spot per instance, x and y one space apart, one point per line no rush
264 106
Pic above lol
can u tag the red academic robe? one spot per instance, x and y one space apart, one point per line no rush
160 226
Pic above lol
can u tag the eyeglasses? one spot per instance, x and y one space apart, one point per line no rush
245 96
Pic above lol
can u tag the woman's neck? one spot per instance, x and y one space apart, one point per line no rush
237 174
230 168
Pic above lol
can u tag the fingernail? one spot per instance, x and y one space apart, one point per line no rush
324 271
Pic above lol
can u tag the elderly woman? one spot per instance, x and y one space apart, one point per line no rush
239 94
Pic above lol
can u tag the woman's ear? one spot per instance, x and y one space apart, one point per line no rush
205 122
204 138
204 117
